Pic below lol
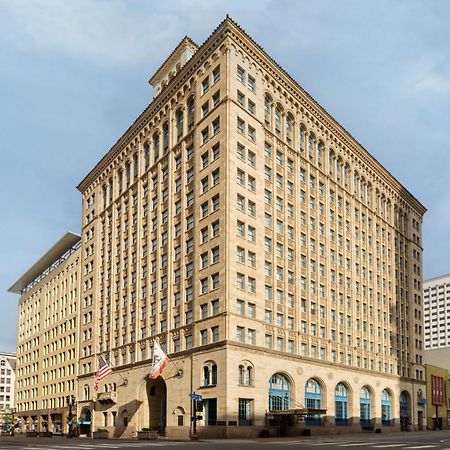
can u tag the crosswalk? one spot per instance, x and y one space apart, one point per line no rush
92 446
322 444
365 445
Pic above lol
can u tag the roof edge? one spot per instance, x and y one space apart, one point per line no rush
56 251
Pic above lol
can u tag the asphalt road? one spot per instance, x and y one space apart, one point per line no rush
438 440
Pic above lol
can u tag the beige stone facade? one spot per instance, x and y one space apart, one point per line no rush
275 260
47 340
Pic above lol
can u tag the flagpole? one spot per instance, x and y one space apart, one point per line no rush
179 371
114 369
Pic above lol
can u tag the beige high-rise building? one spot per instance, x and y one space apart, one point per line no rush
278 263
47 339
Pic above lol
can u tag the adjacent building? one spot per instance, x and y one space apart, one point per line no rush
7 384
48 337
277 262
438 397
436 305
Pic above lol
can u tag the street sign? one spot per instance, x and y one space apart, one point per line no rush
195 396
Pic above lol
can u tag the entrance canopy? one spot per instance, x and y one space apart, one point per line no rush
298 412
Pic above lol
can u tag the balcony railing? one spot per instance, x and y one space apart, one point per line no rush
107 397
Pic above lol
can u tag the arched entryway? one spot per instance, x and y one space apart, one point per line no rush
279 393
157 404
365 407
341 402
280 400
85 422
313 400
386 405
405 410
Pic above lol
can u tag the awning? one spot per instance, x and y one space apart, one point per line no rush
298 412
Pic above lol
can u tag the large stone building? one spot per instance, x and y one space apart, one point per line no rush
436 305
7 385
278 263
47 339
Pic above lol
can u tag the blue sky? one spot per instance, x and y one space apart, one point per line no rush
73 76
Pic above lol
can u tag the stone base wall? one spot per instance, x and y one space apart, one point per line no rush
141 402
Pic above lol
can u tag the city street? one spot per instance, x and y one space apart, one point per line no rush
397 441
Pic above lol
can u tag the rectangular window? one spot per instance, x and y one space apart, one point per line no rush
245 412
216 74
251 83
240 334
240 125
241 98
240 74
205 85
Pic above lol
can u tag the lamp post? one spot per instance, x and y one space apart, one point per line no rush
13 425
70 401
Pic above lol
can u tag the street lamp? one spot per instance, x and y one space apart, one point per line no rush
70 401
13 425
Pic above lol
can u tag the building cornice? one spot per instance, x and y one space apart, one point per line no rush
229 28
241 38
187 71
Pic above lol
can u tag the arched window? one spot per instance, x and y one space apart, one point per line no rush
147 155
404 405
245 374
311 143
191 113
279 393
341 404
365 406
289 126
346 175
331 163
156 146
339 170
120 181
86 392
135 166
355 183
278 119
313 400
267 111
320 153
209 373
369 195
165 132
179 412
385 407
127 174
301 138
180 124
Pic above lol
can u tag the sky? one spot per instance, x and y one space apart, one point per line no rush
74 75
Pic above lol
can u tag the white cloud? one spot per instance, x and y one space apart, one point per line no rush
430 75
100 31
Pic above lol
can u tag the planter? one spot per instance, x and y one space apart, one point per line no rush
147 435
103 434
45 434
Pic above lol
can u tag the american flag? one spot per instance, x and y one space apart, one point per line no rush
103 371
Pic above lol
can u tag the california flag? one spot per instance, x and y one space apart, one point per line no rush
159 361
